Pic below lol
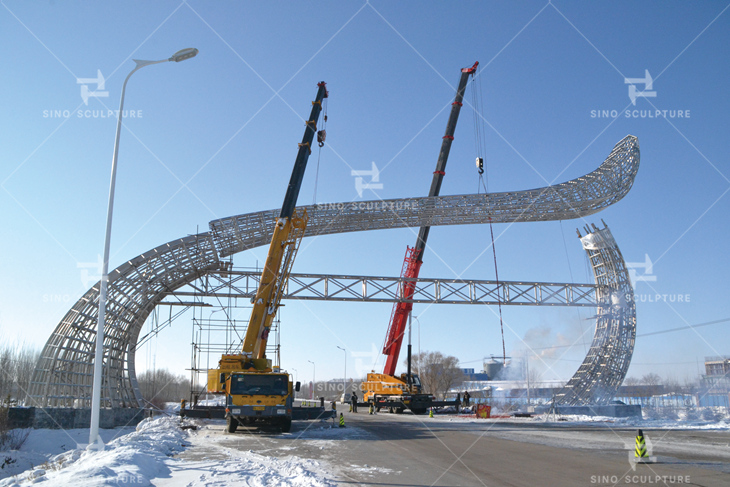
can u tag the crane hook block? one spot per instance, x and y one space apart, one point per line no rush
321 135
480 165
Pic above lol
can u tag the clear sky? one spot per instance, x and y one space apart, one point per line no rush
216 136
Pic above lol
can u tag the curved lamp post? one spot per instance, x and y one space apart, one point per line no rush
94 438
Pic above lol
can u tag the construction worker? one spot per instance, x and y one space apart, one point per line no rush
354 402
466 398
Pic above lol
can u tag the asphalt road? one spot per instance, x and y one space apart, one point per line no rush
405 450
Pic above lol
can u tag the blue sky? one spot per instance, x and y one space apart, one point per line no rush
216 136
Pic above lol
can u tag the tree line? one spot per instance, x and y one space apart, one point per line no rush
17 362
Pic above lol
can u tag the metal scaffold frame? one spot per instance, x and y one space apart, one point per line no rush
63 375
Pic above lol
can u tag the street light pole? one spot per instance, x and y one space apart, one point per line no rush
314 370
94 438
344 380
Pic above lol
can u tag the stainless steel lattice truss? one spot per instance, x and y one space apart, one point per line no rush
372 289
604 368
63 375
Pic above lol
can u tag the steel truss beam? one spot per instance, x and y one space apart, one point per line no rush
63 375
322 287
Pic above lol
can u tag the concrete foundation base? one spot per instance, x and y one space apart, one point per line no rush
69 418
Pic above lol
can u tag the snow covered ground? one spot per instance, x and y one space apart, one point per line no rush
161 452
689 418
145 456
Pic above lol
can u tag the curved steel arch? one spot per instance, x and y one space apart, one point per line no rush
605 366
64 371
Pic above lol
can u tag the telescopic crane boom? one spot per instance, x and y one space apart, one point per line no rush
288 232
387 390
414 256
256 392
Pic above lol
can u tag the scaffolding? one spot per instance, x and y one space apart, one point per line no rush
218 324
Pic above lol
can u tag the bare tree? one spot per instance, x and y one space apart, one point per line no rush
17 362
438 373
161 386
654 381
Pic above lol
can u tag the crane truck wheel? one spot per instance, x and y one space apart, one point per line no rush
286 426
231 424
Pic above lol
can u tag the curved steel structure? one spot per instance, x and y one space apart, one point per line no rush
63 375
604 368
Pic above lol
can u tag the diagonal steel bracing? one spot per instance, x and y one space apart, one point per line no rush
323 287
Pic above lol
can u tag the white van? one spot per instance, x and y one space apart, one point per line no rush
346 398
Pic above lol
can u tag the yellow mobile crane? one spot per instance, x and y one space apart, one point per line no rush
255 391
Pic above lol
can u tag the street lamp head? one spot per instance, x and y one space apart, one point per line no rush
184 54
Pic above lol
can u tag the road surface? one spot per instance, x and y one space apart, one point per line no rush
405 450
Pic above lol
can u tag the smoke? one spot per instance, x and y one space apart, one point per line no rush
548 344
544 342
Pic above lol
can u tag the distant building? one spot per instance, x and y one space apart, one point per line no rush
470 375
717 366
717 375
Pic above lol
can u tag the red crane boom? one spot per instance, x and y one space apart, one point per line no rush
414 255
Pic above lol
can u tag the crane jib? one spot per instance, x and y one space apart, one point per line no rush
305 148
440 172
414 256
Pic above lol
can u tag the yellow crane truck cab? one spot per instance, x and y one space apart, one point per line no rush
258 398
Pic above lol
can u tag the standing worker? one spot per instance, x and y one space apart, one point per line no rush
354 402
466 398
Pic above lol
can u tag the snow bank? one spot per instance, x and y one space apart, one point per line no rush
147 456
131 459
44 444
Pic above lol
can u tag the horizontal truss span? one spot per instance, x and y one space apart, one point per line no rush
321 287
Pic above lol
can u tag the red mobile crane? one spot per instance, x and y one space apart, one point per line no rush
387 390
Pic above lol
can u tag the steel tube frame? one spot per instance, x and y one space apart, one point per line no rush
62 377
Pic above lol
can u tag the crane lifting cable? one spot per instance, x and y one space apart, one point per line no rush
321 136
480 147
